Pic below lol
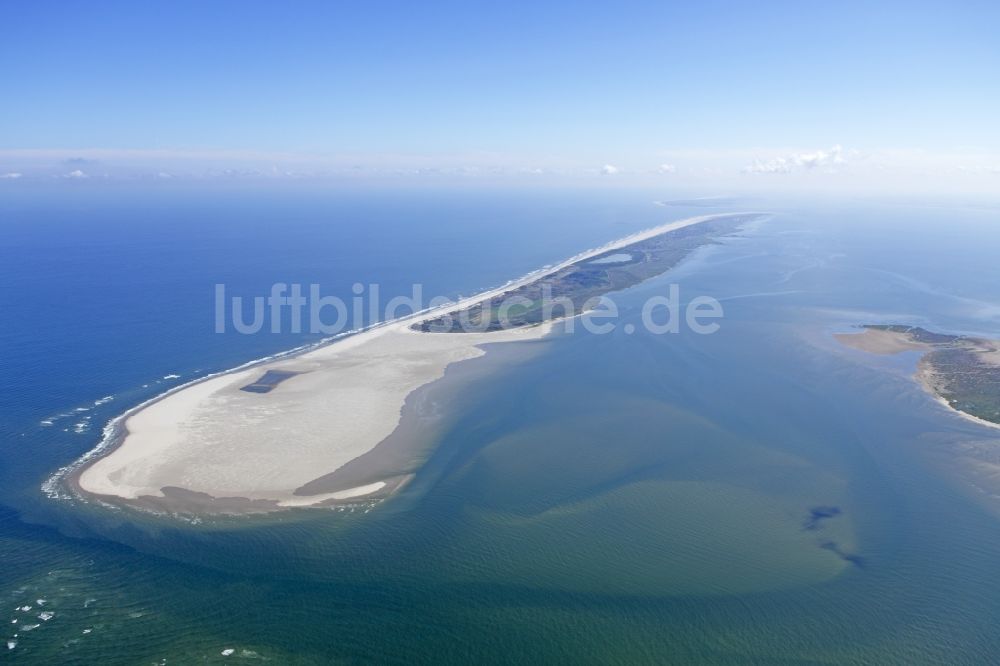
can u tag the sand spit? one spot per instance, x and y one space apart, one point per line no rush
215 439
882 342
210 440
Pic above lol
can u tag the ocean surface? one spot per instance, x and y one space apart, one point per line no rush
758 495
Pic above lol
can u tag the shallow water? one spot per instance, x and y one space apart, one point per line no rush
759 494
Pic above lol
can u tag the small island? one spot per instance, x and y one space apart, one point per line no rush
963 372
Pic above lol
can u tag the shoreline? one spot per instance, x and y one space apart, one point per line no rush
923 377
117 433
887 343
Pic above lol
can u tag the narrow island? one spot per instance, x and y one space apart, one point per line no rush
961 371
571 288
305 430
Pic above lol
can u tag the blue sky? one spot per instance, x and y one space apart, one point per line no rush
560 88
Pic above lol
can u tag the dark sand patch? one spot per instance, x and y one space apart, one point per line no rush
268 381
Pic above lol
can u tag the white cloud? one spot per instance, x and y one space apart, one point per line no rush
777 165
821 158
875 169
826 160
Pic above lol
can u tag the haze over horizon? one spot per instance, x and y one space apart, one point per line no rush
896 97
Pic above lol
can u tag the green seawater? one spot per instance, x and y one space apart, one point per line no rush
759 495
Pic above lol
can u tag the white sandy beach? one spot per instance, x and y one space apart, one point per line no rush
211 437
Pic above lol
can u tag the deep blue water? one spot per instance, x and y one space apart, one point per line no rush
613 498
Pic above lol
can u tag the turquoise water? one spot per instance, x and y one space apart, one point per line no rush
619 498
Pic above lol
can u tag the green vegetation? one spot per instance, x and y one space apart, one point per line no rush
963 370
575 288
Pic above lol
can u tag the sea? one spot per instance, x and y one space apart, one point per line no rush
760 494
